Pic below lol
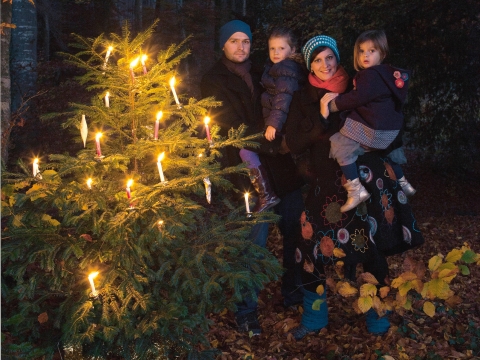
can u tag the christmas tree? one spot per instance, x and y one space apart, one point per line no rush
125 248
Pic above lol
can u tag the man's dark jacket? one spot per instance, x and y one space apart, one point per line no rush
239 106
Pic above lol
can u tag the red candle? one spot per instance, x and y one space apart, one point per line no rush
97 142
206 120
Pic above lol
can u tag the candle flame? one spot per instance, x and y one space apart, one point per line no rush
159 115
172 81
107 94
89 182
92 275
134 62
98 136
160 222
35 161
143 59
129 183
161 156
110 48
206 120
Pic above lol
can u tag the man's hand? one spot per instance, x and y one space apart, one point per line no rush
324 101
270 133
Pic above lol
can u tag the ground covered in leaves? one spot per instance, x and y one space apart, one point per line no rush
448 213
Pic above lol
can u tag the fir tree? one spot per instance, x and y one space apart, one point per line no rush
165 256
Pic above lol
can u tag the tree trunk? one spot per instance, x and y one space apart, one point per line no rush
5 68
23 57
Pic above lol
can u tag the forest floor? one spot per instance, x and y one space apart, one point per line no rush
448 214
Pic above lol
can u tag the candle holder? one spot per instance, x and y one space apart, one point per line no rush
38 176
249 215
99 158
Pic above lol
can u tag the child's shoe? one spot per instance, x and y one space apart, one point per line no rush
356 194
406 187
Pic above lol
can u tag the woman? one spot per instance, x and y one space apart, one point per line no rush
383 225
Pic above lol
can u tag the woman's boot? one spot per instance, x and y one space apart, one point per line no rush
266 196
375 324
312 320
356 194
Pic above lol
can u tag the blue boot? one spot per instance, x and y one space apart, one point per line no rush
312 320
375 324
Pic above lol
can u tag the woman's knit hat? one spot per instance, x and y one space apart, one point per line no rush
316 42
231 28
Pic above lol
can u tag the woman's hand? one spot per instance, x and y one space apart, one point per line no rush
270 133
324 101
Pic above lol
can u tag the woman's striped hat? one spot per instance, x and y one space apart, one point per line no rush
316 42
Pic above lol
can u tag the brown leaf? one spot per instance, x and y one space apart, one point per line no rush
368 278
86 237
43 318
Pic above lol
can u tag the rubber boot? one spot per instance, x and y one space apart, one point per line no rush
407 188
375 324
312 320
356 194
266 196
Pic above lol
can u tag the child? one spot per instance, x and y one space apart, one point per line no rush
375 117
282 76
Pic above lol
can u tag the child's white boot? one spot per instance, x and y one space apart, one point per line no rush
406 187
356 194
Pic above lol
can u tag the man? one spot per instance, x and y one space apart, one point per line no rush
234 81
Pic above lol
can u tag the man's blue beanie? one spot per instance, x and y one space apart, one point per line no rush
231 28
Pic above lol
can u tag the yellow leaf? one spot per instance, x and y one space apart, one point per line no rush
405 288
346 290
408 305
408 275
397 282
454 255
429 308
369 278
339 253
317 303
320 290
447 265
365 303
437 288
434 262
384 290
448 275
417 284
368 290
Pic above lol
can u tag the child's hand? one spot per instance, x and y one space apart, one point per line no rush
270 133
324 101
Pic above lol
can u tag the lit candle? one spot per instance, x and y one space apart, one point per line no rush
92 285
107 101
36 170
172 86
159 165
129 185
247 205
157 124
97 142
132 65
143 59
107 55
206 120
89 183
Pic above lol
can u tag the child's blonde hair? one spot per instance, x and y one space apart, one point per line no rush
379 40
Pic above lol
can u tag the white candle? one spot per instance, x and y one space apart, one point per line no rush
172 86
92 285
89 183
129 185
159 165
143 59
157 124
97 142
107 101
36 169
247 205
107 55
132 65
206 120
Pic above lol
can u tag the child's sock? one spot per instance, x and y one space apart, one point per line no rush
350 171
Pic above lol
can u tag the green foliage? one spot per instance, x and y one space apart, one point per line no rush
166 257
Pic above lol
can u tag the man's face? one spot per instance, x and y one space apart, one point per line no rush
237 47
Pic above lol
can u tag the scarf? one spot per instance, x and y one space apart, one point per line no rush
338 83
242 70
